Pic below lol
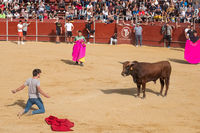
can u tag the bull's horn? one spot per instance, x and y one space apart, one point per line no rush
121 62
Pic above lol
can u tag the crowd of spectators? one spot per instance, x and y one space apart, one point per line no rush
105 10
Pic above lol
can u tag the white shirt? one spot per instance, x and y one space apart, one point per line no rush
19 26
69 26
186 30
89 6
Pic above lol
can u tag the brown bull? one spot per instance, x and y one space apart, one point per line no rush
143 72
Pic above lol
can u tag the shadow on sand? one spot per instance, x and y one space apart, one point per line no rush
178 61
69 62
128 91
20 103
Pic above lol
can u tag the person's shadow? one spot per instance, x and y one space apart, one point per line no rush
128 91
69 62
20 103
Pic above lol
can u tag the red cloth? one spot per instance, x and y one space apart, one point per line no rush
59 124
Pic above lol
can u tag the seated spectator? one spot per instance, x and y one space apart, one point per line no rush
9 15
2 14
110 18
41 7
50 15
47 8
89 7
82 14
55 15
61 4
1 6
182 16
89 14
53 8
105 15
45 15
28 7
41 17
158 14
17 15
16 8
188 16
23 14
113 39
128 14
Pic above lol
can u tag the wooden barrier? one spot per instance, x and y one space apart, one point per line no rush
103 32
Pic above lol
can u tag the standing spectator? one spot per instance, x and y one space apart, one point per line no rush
186 31
89 29
58 30
69 28
138 34
113 39
20 34
168 34
191 32
25 28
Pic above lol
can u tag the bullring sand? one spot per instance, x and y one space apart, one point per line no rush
96 97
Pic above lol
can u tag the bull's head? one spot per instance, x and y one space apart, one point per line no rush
127 67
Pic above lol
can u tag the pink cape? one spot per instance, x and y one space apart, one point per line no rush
79 50
192 52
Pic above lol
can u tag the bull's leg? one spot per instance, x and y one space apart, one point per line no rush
162 85
138 87
143 89
167 85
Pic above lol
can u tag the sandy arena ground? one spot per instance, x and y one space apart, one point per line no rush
96 97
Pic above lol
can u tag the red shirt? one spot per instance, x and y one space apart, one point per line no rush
2 7
141 13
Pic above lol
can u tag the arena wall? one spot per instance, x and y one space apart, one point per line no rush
47 30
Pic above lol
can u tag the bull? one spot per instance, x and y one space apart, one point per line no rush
143 72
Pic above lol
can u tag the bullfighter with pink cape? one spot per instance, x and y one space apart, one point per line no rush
192 50
79 49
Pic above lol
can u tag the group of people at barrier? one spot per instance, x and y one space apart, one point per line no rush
22 28
105 10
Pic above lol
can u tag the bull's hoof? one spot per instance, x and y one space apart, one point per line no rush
143 97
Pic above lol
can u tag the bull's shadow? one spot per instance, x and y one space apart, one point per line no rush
20 103
129 91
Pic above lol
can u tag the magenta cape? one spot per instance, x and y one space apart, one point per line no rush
79 50
192 52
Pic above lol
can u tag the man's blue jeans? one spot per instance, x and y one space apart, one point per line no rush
38 102
138 38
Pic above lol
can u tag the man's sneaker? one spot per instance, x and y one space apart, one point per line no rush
91 36
136 46
22 43
88 42
18 42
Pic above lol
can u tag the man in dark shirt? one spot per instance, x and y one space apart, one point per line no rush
58 30
193 35
89 29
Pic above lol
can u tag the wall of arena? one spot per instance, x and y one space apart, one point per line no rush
46 31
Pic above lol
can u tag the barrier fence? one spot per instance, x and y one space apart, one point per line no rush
46 31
